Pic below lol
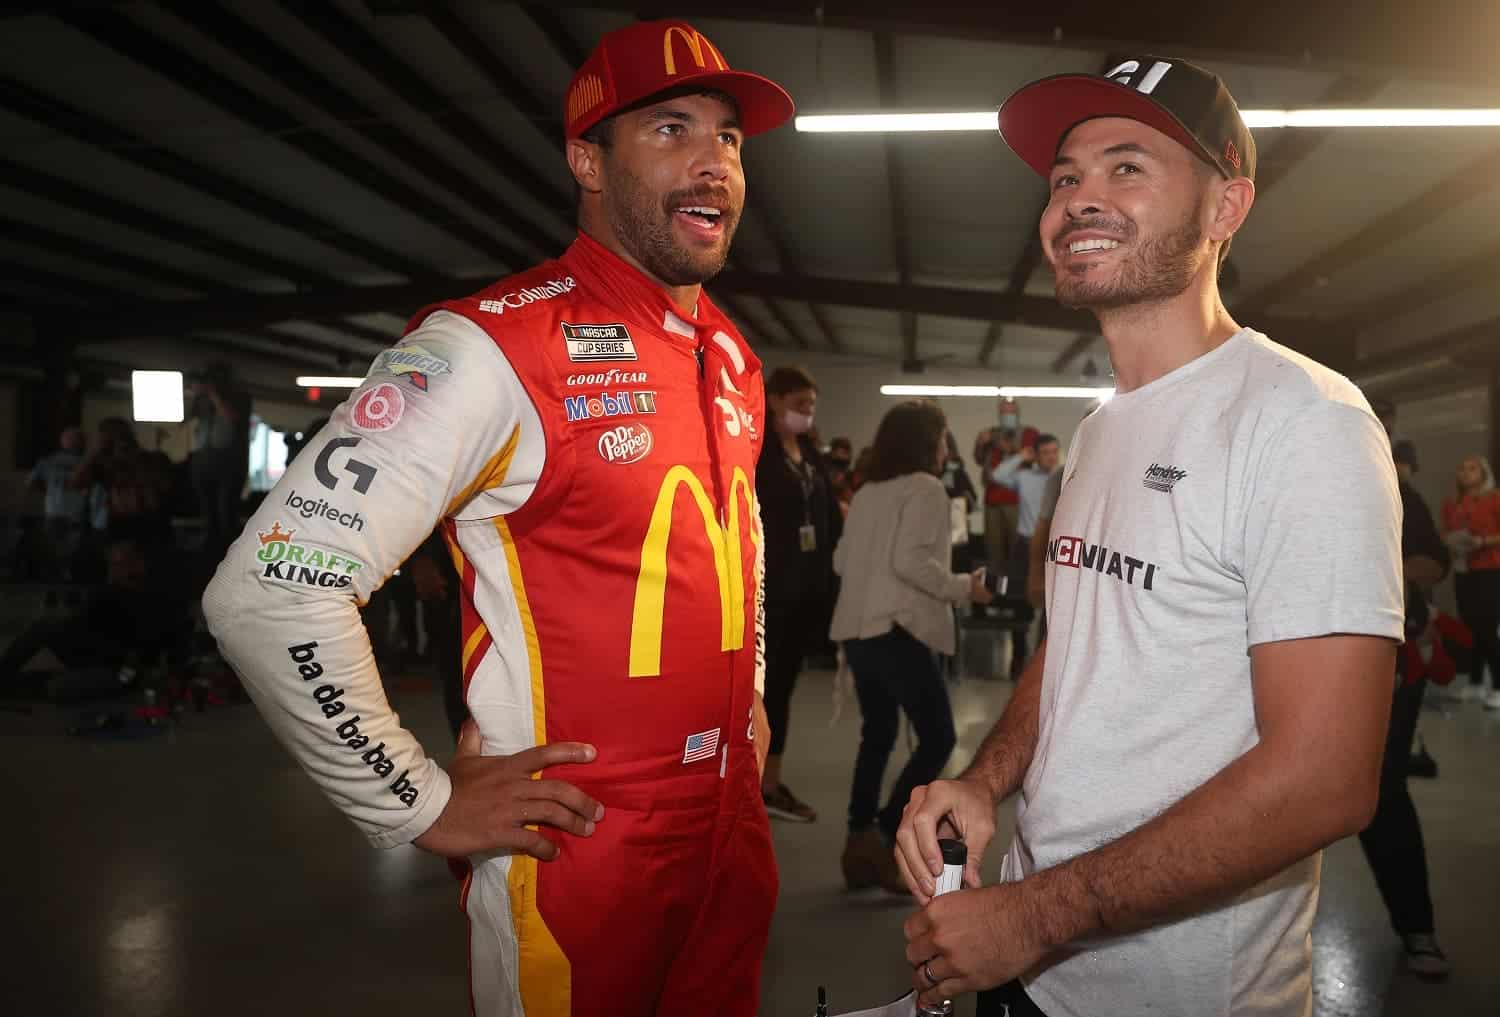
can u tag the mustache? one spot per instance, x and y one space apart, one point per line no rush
1118 226
702 194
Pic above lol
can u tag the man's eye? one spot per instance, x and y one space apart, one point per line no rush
1126 168
670 129
1067 180
730 138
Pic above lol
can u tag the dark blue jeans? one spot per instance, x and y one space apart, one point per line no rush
896 672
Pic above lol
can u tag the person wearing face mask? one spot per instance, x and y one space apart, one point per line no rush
801 522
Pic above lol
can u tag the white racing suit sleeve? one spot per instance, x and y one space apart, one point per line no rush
440 418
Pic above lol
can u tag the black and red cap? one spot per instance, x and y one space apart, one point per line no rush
1185 102
633 63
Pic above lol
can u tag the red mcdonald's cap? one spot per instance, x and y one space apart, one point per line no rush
636 62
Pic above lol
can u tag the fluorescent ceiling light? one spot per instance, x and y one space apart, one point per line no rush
156 396
996 391
892 123
307 381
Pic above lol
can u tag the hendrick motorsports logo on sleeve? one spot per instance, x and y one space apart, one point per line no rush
590 343
296 563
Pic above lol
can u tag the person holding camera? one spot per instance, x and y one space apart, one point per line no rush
894 613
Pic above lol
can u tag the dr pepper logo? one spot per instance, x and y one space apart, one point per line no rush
628 443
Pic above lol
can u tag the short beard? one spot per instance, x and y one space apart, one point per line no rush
644 228
1163 268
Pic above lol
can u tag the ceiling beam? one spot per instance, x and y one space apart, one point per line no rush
1292 147
494 67
132 148
786 262
885 78
352 39
1309 335
184 70
1464 273
991 341
1470 181
1077 348
1450 345
1386 40
371 123
550 25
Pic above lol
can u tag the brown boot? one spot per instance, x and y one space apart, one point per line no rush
869 861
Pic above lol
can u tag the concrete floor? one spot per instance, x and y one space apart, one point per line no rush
200 873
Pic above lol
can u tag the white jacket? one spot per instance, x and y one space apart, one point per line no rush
894 559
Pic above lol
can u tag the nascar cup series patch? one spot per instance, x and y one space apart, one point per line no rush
595 343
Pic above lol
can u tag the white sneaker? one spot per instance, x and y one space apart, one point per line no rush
1492 701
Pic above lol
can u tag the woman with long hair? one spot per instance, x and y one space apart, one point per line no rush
1471 528
894 615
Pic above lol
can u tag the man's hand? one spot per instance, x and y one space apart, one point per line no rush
496 806
975 939
968 807
760 733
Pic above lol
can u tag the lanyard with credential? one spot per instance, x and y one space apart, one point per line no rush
807 533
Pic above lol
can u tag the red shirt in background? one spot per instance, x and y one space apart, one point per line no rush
1480 515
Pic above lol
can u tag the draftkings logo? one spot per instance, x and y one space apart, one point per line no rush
1077 553
1162 478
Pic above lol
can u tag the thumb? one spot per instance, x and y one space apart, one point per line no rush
468 740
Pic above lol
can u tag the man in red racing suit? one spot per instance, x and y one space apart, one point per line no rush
586 435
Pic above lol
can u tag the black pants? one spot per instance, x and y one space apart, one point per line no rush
896 672
218 485
1009 1000
1393 840
791 630
1479 608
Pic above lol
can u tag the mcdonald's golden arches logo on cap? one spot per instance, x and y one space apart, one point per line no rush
695 43
587 92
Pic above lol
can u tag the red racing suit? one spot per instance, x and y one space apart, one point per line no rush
590 452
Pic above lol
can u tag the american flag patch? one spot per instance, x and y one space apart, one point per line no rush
700 746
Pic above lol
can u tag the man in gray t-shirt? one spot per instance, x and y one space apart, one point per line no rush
1224 596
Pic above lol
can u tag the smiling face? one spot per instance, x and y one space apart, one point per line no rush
1127 219
669 184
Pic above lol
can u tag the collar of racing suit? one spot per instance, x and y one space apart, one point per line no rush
627 286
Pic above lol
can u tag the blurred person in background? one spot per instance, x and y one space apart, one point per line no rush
135 486
1471 529
1001 505
64 507
1393 842
801 522
221 453
894 615
1025 473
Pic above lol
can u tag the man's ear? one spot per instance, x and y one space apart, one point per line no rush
585 159
1232 205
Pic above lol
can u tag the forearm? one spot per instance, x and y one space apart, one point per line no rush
1249 822
1006 752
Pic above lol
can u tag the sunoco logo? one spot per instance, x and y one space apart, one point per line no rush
529 295
628 443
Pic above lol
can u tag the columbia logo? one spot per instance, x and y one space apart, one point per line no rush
1162 478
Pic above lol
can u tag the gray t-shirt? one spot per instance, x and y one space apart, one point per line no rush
1247 497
